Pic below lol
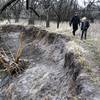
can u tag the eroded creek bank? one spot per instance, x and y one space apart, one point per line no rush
53 67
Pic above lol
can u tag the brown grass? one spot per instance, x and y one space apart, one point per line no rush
11 65
20 49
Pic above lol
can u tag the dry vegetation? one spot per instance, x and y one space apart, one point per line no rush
13 65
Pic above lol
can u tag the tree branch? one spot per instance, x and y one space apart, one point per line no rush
34 11
6 5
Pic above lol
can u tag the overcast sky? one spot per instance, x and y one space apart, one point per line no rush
81 2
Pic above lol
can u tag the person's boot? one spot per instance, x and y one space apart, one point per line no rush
73 33
82 35
85 35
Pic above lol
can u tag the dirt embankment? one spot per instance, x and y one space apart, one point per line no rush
54 67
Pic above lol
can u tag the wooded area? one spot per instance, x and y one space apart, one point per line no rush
56 10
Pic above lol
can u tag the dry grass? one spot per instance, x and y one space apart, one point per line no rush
12 65
8 64
20 49
46 98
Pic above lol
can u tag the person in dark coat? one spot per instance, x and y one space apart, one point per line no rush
84 27
75 21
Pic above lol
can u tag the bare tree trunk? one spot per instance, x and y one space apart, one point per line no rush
27 4
31 19
58 22
16 20
47 20
6 5
69 8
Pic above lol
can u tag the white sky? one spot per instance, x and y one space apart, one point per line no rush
81 2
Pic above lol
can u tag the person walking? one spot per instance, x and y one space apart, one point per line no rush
84 27
75 21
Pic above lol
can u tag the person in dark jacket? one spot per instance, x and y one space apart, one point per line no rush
84 27
75 21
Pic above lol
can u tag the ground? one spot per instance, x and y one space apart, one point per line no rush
91 47
89 77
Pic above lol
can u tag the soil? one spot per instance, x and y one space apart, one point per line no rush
55 71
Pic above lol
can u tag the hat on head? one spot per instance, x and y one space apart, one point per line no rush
84 18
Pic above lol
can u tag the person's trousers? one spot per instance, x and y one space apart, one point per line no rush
84 33
75 28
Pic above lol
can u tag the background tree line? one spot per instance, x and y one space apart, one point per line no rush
55 10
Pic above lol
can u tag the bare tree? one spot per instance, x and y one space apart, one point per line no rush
32 9
91 9
63 9
46 6
16 10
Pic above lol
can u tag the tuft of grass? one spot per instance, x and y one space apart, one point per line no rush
82 60
87 68
9 65
74 98
12 65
